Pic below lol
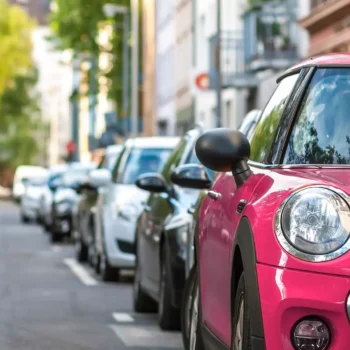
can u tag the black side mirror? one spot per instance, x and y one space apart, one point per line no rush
225 150
152 182
191 176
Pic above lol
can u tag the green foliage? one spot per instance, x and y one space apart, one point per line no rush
16 44
75 24
20 122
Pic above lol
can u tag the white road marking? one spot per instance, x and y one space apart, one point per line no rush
147 336
122 317
80 272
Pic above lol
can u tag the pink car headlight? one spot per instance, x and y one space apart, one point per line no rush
313 224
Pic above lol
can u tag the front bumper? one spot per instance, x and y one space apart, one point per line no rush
287 296
119 244
62 224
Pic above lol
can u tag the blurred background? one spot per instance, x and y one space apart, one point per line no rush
77 76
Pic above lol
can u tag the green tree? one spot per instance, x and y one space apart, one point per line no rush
76 23
16 45
20 122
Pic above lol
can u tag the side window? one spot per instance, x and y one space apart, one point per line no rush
174 159
264 133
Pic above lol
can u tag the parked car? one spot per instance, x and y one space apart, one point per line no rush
46 198
272 240
86 207
30 202
120 202
22 175
162 236
65 198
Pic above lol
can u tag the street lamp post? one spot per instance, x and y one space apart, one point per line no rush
111 10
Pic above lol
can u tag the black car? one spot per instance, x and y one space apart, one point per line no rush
162 235
65 201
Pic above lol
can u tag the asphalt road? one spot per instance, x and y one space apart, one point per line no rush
49 302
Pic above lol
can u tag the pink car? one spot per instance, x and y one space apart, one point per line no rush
272 239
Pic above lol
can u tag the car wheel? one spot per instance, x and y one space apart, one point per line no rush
168 315
194 340
97 263
142 302
55 237
81 251
241 319
108 273
186 307
24 219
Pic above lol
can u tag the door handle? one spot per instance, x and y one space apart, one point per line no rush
214 195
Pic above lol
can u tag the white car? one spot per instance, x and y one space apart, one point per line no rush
30 202
22 175
120 202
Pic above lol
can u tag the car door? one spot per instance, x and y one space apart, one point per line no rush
157 208
220 217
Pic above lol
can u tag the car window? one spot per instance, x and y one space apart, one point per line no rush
174 159
141 161
110 161
262 138
117 167
321 133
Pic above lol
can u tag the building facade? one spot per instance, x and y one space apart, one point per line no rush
165 40
258 42
329 26
183 64
148 54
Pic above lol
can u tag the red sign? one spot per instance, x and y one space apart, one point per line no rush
70 147
202 81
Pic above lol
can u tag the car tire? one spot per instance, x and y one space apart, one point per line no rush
143 303
168 315
186 307
194 339
107 272
55 237
24 219
81 251
241 319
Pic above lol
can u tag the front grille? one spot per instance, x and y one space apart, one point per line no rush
126 247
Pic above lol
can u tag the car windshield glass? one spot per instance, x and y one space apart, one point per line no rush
321 134
141 161
193 159
73 177
38 182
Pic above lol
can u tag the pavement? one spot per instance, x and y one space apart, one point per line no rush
50 302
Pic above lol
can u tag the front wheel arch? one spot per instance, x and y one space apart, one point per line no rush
244 259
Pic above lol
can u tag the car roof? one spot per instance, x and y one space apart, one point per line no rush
114 149
332 59
153 142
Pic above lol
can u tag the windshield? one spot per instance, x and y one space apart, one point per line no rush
74 177
321 134
141 161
